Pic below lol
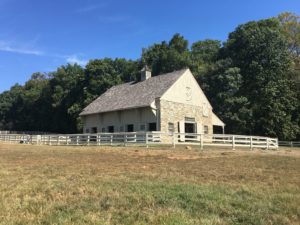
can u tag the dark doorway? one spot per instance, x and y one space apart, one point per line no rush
217 130
111 129
94 130
190 128
130 128
152 126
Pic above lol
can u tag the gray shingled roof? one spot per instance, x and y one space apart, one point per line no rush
133 94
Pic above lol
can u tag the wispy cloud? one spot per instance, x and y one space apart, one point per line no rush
9 47
74 59
89 8
29 49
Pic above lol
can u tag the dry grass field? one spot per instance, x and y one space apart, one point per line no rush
115 185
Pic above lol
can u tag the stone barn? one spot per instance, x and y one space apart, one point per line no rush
172 102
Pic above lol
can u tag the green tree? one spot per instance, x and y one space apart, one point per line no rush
260 51
167 57
224 90
290 28
67 98
203 58
100 76
9 101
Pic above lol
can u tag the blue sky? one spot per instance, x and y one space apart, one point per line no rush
40 35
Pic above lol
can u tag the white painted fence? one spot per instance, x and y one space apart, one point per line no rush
4 132
146 139
292 144
24 132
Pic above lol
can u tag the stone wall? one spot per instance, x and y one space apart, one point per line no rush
173 112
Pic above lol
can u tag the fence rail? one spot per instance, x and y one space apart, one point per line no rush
292 144
145 138
24 132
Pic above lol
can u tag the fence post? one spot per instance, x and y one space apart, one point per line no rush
233 142
201 141
88 140
98 139
267 143
125 139
111 139
251 143
77 140
174 144
147 140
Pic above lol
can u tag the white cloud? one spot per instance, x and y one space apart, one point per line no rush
73 59
8 47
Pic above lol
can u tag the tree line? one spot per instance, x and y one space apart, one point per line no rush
252 81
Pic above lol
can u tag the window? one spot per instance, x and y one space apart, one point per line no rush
205 129
87 130
111 129
103 129
152 126
94 130
142 127
130 128
171 128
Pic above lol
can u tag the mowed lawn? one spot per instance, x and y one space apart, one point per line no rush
115 185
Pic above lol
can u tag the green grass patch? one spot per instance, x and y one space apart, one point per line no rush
67 186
